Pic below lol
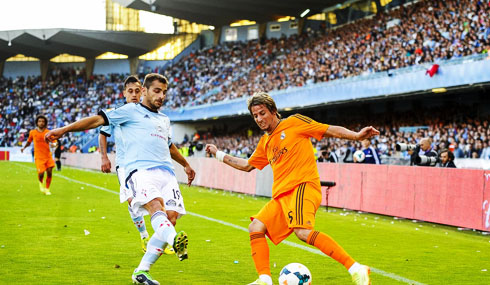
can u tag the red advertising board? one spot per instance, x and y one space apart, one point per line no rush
458 197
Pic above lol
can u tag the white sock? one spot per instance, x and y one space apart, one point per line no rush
354 268
163 227
144 235
154 250
139 223
266 278
164 231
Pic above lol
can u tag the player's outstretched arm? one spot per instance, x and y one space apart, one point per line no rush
26 146
344 133
235 162
81 125
105 165
177 156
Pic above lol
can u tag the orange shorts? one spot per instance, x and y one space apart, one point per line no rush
293 209
43 164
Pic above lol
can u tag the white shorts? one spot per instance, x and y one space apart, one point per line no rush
124 192
146 185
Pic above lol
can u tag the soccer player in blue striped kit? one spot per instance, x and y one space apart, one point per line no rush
149 171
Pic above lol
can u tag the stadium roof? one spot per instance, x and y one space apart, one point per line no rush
48 43
224 12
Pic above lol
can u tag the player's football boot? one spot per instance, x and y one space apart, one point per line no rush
41 188
47 192
361 276
144 243
169 250
180 245
143 277
258 282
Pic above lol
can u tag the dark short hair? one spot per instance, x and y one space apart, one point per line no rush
131 79
150 77
450 154
41 117
262 98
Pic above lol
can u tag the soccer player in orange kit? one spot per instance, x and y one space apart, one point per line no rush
296 193
42 154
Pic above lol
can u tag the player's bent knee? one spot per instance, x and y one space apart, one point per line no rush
302 234
257 226
154 206
172 217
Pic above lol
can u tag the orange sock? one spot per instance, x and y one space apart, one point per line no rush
48 182
330 247
260 253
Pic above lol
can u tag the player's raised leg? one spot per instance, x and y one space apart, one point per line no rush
148 186
325 243
303 222
164 233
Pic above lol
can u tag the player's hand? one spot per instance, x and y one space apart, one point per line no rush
105 165
191 174
366 133
211 149
54 144
22 150
53 135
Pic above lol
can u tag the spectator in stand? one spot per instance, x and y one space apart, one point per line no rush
370 153
425 150
447 159
485 154
424 32
323 154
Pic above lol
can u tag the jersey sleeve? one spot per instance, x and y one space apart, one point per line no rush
107 130
308 127
259 157
30 137
117 116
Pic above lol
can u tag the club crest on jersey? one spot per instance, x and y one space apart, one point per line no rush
171 203
283 135
146 117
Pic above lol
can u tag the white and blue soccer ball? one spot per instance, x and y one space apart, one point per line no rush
359 156
295 274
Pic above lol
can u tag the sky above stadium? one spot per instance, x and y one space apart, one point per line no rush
46 14
68 14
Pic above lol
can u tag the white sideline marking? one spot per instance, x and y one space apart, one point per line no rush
300 246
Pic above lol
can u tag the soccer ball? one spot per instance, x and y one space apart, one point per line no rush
295 274
359 156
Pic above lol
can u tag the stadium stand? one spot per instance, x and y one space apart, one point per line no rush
467 137
427 31
64 97
423 32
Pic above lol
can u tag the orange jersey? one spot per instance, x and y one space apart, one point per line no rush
41 147
289 151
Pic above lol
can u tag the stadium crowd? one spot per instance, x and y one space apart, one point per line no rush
427 31
466 136
424 32
64 97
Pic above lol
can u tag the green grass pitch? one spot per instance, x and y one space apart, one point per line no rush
43 240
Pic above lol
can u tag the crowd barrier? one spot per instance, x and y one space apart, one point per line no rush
457 197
